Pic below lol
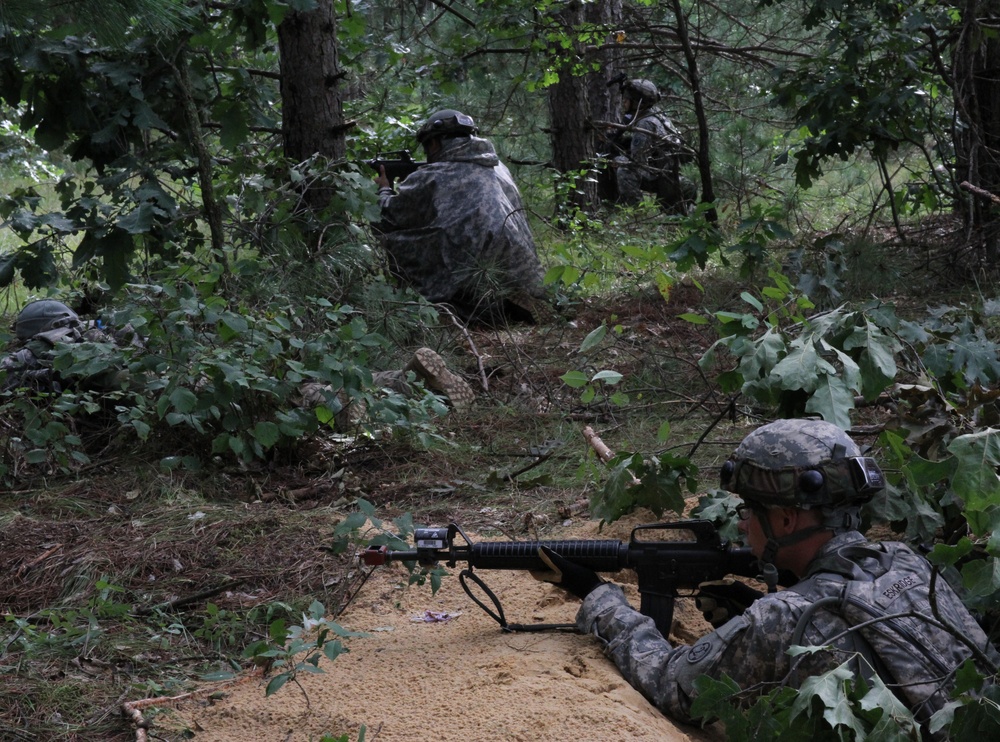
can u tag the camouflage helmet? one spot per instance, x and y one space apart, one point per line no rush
42 315
446 123
643 90
801 463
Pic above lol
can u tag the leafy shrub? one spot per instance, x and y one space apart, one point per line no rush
212 377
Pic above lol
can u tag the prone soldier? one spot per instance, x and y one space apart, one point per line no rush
876 606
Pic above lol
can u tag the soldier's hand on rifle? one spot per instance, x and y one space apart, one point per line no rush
721 600
568 575
382 181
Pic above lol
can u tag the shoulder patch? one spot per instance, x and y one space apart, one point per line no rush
699 651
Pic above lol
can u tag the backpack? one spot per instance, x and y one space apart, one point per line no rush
891 598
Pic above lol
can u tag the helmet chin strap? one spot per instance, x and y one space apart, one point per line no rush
769 572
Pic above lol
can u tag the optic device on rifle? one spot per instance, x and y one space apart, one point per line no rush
663 567
397 164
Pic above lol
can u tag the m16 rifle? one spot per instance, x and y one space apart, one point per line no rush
397 164
663 567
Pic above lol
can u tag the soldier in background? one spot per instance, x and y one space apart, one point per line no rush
650 151
456 229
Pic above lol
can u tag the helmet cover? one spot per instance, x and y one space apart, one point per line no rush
801 463
644 90
446 123
42 315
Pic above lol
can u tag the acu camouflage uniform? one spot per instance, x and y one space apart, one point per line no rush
653 162
752 648
848 583
457 231
30 364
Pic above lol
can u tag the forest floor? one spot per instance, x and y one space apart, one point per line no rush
124 583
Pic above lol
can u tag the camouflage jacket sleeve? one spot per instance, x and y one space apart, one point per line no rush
750 649
647 141
413 205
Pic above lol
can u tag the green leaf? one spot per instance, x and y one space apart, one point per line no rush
694 319
896 723
115 247
977 720
316 610
235 322
574 379
619 398
139 221
266 433
615 500
235 444
878 361
982 577
833 401
278 631
276 683
608 377
752 301
352 522
333 649
802 368
850 373
339 630
830 689
593 338
975 479
234 127
144 117
211 677
762 355
7 263
183 400
716 699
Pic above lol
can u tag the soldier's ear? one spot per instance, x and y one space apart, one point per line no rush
788 520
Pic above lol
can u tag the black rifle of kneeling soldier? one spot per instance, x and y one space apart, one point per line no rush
397 164
664 567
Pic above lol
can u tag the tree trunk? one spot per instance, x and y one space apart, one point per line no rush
312 107
605 100
569 111
694 79
976 67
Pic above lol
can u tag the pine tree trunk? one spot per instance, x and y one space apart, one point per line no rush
976 67
312 107
569 112
605 100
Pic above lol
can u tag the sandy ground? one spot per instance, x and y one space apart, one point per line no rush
459 679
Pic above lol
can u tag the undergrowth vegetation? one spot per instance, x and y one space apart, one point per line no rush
674 349
181 509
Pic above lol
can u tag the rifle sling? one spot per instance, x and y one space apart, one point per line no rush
498 614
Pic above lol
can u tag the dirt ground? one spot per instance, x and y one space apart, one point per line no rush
460 678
